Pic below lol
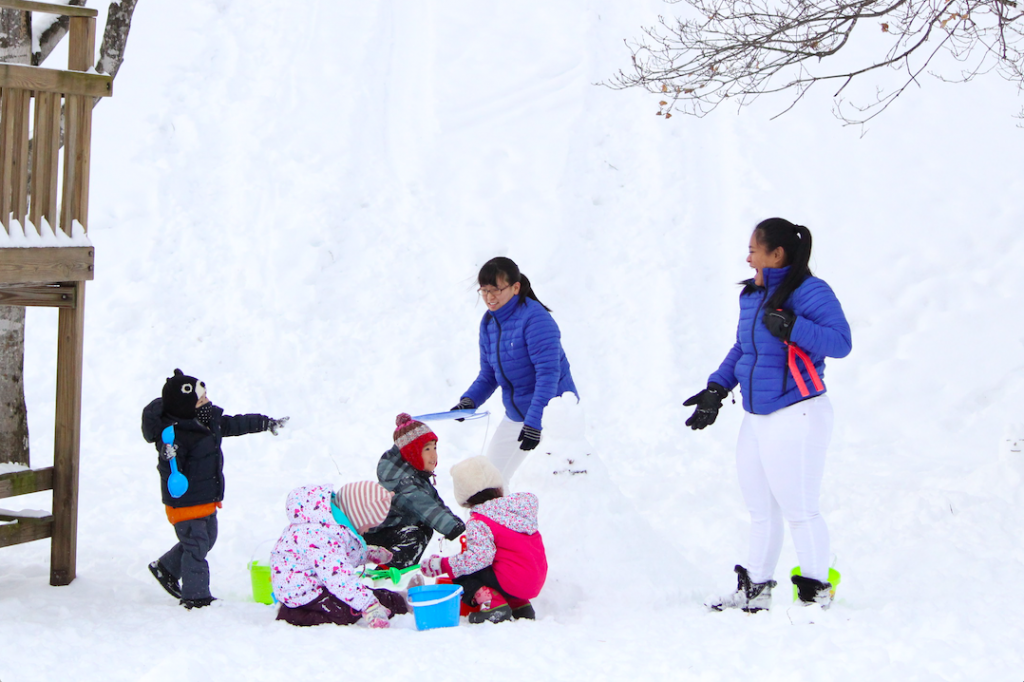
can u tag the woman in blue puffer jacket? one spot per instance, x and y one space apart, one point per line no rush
789 322
520 351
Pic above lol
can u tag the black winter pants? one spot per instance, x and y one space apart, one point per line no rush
187 559
406 543
485 577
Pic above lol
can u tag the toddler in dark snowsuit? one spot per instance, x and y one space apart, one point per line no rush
417 509
199 427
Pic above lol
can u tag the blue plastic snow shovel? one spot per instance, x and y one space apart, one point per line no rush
452 414
177 484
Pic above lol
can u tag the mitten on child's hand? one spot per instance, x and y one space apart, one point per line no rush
273 425
378 555
376 616
170 451
432 567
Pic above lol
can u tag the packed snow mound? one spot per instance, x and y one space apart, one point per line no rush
601 552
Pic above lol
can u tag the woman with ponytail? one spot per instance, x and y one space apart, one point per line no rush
520 351
790 321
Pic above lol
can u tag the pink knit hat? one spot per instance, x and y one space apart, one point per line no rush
410 437
365 503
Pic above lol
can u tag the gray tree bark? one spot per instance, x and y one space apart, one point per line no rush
115 36
16 47
13 410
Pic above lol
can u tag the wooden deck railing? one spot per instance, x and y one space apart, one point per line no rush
32 100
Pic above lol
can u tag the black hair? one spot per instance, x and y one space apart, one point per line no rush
795 241
509 272
485 495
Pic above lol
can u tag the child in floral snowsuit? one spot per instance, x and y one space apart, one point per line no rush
504 565
313 565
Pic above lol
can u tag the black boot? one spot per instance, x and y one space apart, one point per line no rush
749 596
813 591
525 612
197 603
166 580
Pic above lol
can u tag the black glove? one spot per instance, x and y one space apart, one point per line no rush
780 323
708 402
273 425
529 438
464 404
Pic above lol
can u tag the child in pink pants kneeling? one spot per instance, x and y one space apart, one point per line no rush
504 564
313 566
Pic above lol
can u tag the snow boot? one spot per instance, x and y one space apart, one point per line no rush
522 608
493 607
197 603
813 591
166 580
749 596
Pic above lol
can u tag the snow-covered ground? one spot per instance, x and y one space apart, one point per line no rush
292 205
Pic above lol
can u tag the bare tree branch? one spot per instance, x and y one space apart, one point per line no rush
115 36
742 49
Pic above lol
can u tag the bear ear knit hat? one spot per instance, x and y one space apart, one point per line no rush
365 503
180 395
472 475
410 437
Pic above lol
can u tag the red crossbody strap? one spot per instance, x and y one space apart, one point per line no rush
794 352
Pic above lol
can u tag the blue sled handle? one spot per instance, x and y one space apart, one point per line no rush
468 415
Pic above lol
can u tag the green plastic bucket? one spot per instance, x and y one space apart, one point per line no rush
262 590
833 578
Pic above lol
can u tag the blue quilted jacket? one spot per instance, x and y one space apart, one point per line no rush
521 351
758 360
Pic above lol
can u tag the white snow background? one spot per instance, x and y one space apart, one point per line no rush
291 202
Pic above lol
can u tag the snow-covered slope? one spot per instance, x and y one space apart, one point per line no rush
292 205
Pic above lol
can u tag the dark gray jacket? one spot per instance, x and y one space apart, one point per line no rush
416 500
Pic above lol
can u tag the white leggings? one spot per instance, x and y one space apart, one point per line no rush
504 452
780 458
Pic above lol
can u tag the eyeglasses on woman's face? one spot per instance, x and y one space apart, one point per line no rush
491 292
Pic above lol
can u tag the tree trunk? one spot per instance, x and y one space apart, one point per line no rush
16 47
15 36
115 36
13 411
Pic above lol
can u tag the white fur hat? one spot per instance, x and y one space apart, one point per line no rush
473 475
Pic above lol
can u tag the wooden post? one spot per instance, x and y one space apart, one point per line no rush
67 438
6 157
19 186
78 128
49 199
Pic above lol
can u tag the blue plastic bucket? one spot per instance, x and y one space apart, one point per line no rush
435 606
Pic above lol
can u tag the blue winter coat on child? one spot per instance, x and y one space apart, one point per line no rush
758 360
521 351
